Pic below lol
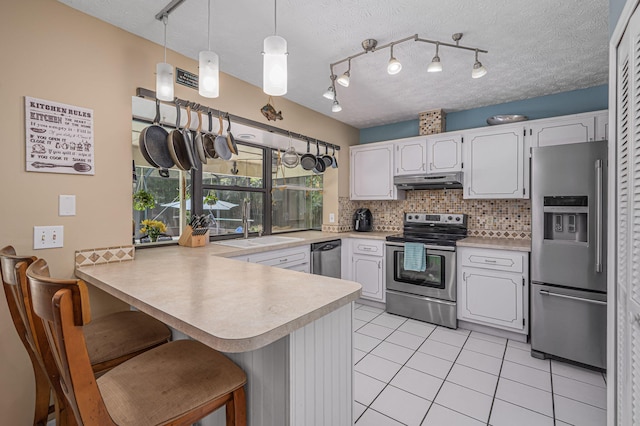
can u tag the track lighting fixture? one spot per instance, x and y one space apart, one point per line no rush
394 66
435 65
478 69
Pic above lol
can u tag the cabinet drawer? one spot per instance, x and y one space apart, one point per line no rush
281 258
370 247
499 260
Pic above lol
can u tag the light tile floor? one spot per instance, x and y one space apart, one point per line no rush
413 373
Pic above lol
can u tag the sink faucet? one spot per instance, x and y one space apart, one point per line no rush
246 209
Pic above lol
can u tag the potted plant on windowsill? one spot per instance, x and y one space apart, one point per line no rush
153 228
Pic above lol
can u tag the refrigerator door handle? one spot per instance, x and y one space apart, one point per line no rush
564 296
598 165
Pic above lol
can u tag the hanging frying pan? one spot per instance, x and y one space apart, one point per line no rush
199 140
319 167
308 161
334 163
188 140
153 145
222 149
176 144
231 142
326 158
208 140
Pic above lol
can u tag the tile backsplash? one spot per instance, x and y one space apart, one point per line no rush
486 218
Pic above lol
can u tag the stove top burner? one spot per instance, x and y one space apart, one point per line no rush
434 229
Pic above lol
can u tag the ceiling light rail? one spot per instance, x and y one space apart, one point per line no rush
394 66
195 107
173 4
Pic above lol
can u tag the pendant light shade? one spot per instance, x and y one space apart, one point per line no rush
329 94
164 73
435 65
164 81
343 80
274 80
209 78
478 69
336 107
394 65
209 67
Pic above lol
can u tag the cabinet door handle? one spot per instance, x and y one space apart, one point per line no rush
579 299
379 265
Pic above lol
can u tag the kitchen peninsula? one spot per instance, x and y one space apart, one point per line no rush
291 333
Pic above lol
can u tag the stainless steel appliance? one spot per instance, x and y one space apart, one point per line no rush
449 181
568 259
325 258
363 220
430 295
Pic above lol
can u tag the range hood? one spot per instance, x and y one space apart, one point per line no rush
451 181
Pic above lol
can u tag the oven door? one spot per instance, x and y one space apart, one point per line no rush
438 280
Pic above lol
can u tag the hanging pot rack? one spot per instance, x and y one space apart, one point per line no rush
195 107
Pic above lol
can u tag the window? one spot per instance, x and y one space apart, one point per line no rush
281 199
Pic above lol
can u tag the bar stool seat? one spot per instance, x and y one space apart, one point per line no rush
168 382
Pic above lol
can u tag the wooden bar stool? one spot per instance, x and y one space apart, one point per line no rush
176 383
111 339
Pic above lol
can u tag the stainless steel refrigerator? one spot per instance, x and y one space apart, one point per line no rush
568 258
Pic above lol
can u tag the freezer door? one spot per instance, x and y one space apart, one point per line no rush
568 215
570 324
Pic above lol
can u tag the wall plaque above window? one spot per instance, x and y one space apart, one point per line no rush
59 137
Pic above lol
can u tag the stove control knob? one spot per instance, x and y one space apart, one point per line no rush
417 216
409 217
458 218
450 218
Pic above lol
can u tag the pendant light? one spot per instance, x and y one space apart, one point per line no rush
209 67
435 65
274 77
343 80
394 65
478 69
164 72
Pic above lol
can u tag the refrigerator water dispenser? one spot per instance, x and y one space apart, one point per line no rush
566 219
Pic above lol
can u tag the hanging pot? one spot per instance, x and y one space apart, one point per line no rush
198 141
231 142
209 139
308 161
153 145
319 167
177 147
290 158
326 158
222 149
188 139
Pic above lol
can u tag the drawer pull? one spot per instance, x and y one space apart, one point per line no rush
579 299
490 261
283 260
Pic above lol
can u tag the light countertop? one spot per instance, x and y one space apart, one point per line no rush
229 305
496 243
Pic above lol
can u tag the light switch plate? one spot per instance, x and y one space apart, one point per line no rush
332 217
67 205
48 237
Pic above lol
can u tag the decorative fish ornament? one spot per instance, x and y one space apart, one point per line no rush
270 112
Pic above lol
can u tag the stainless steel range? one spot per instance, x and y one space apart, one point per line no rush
428 295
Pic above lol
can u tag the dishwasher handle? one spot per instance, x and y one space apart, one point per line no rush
328 245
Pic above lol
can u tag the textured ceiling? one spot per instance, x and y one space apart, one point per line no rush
536 47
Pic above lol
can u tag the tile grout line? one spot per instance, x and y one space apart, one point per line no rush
553 398
495 391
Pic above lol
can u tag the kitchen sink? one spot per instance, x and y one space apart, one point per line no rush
269 240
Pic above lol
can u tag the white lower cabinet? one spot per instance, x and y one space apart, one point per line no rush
493 288
365 259
295 259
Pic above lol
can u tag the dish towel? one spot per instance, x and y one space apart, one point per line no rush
414 257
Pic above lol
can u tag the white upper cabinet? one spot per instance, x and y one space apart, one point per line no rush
371 172
411 156
602 125
495 165
562 130
444 153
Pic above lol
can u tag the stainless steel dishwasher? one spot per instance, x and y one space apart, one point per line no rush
325 258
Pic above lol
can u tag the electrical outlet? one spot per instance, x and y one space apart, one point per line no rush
332 217
48 237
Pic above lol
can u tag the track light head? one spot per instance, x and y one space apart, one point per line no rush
478 69
343 80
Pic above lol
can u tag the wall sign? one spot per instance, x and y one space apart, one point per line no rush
59 137
186 78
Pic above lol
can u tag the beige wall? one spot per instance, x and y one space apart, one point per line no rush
55 53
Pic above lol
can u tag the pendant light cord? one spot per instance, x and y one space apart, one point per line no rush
275 17
165 18
209 28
